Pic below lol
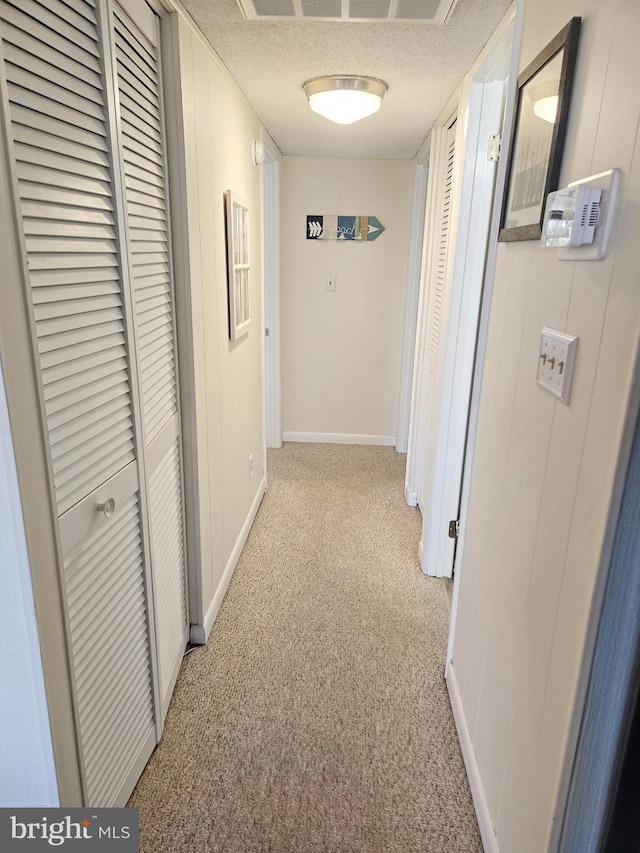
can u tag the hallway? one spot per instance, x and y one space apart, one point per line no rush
317 718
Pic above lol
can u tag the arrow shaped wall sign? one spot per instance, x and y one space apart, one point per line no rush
361 229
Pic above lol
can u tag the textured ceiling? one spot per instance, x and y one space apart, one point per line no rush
422 64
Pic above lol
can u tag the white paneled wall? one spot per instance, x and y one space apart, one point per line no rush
544 481
341 352
223 387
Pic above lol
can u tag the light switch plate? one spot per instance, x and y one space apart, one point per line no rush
330 283
556 361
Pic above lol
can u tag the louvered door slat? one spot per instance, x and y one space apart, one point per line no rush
63 163
62 292
141 145
74 490
146 223
49 310
119 704
140 99
59 195
160 349
83 575
52 29
60 20
51 82
62 440
137 82
64 220
114 668
150 296
73 112
118 604
100 358
78 349
87 71
83 7
56 129
146 211
48 329
113 419
89 87
138 69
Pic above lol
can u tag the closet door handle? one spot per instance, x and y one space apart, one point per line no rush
107 508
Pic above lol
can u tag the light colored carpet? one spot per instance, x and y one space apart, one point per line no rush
317 720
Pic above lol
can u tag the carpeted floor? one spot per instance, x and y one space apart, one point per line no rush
316 720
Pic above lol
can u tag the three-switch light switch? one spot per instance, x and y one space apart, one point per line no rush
556 361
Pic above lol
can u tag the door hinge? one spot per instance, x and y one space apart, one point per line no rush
494 147
267 332
454 528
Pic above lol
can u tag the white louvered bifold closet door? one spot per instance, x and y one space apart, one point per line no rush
436 313
60 127
142 151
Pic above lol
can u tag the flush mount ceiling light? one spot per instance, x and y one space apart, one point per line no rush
344 99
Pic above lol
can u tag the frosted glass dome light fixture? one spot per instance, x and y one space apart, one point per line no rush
343 99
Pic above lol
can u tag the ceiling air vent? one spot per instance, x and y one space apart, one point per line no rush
404 11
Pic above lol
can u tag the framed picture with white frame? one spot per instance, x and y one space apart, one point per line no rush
238 267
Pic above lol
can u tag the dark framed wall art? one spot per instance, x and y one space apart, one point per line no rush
538 135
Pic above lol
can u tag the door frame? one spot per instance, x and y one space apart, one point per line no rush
509 31
414 277
481 113
479 106
271 272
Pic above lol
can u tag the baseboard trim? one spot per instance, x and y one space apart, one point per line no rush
410 497
200 633
339 438
487 834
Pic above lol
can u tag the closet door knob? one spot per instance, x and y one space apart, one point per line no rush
107 508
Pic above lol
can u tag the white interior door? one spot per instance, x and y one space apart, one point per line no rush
142 154
437 305
462 266
90 169
60 129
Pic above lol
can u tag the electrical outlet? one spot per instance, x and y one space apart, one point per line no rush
251 466
556 361
330 283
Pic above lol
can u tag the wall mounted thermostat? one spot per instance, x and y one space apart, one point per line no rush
571 216
577 219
